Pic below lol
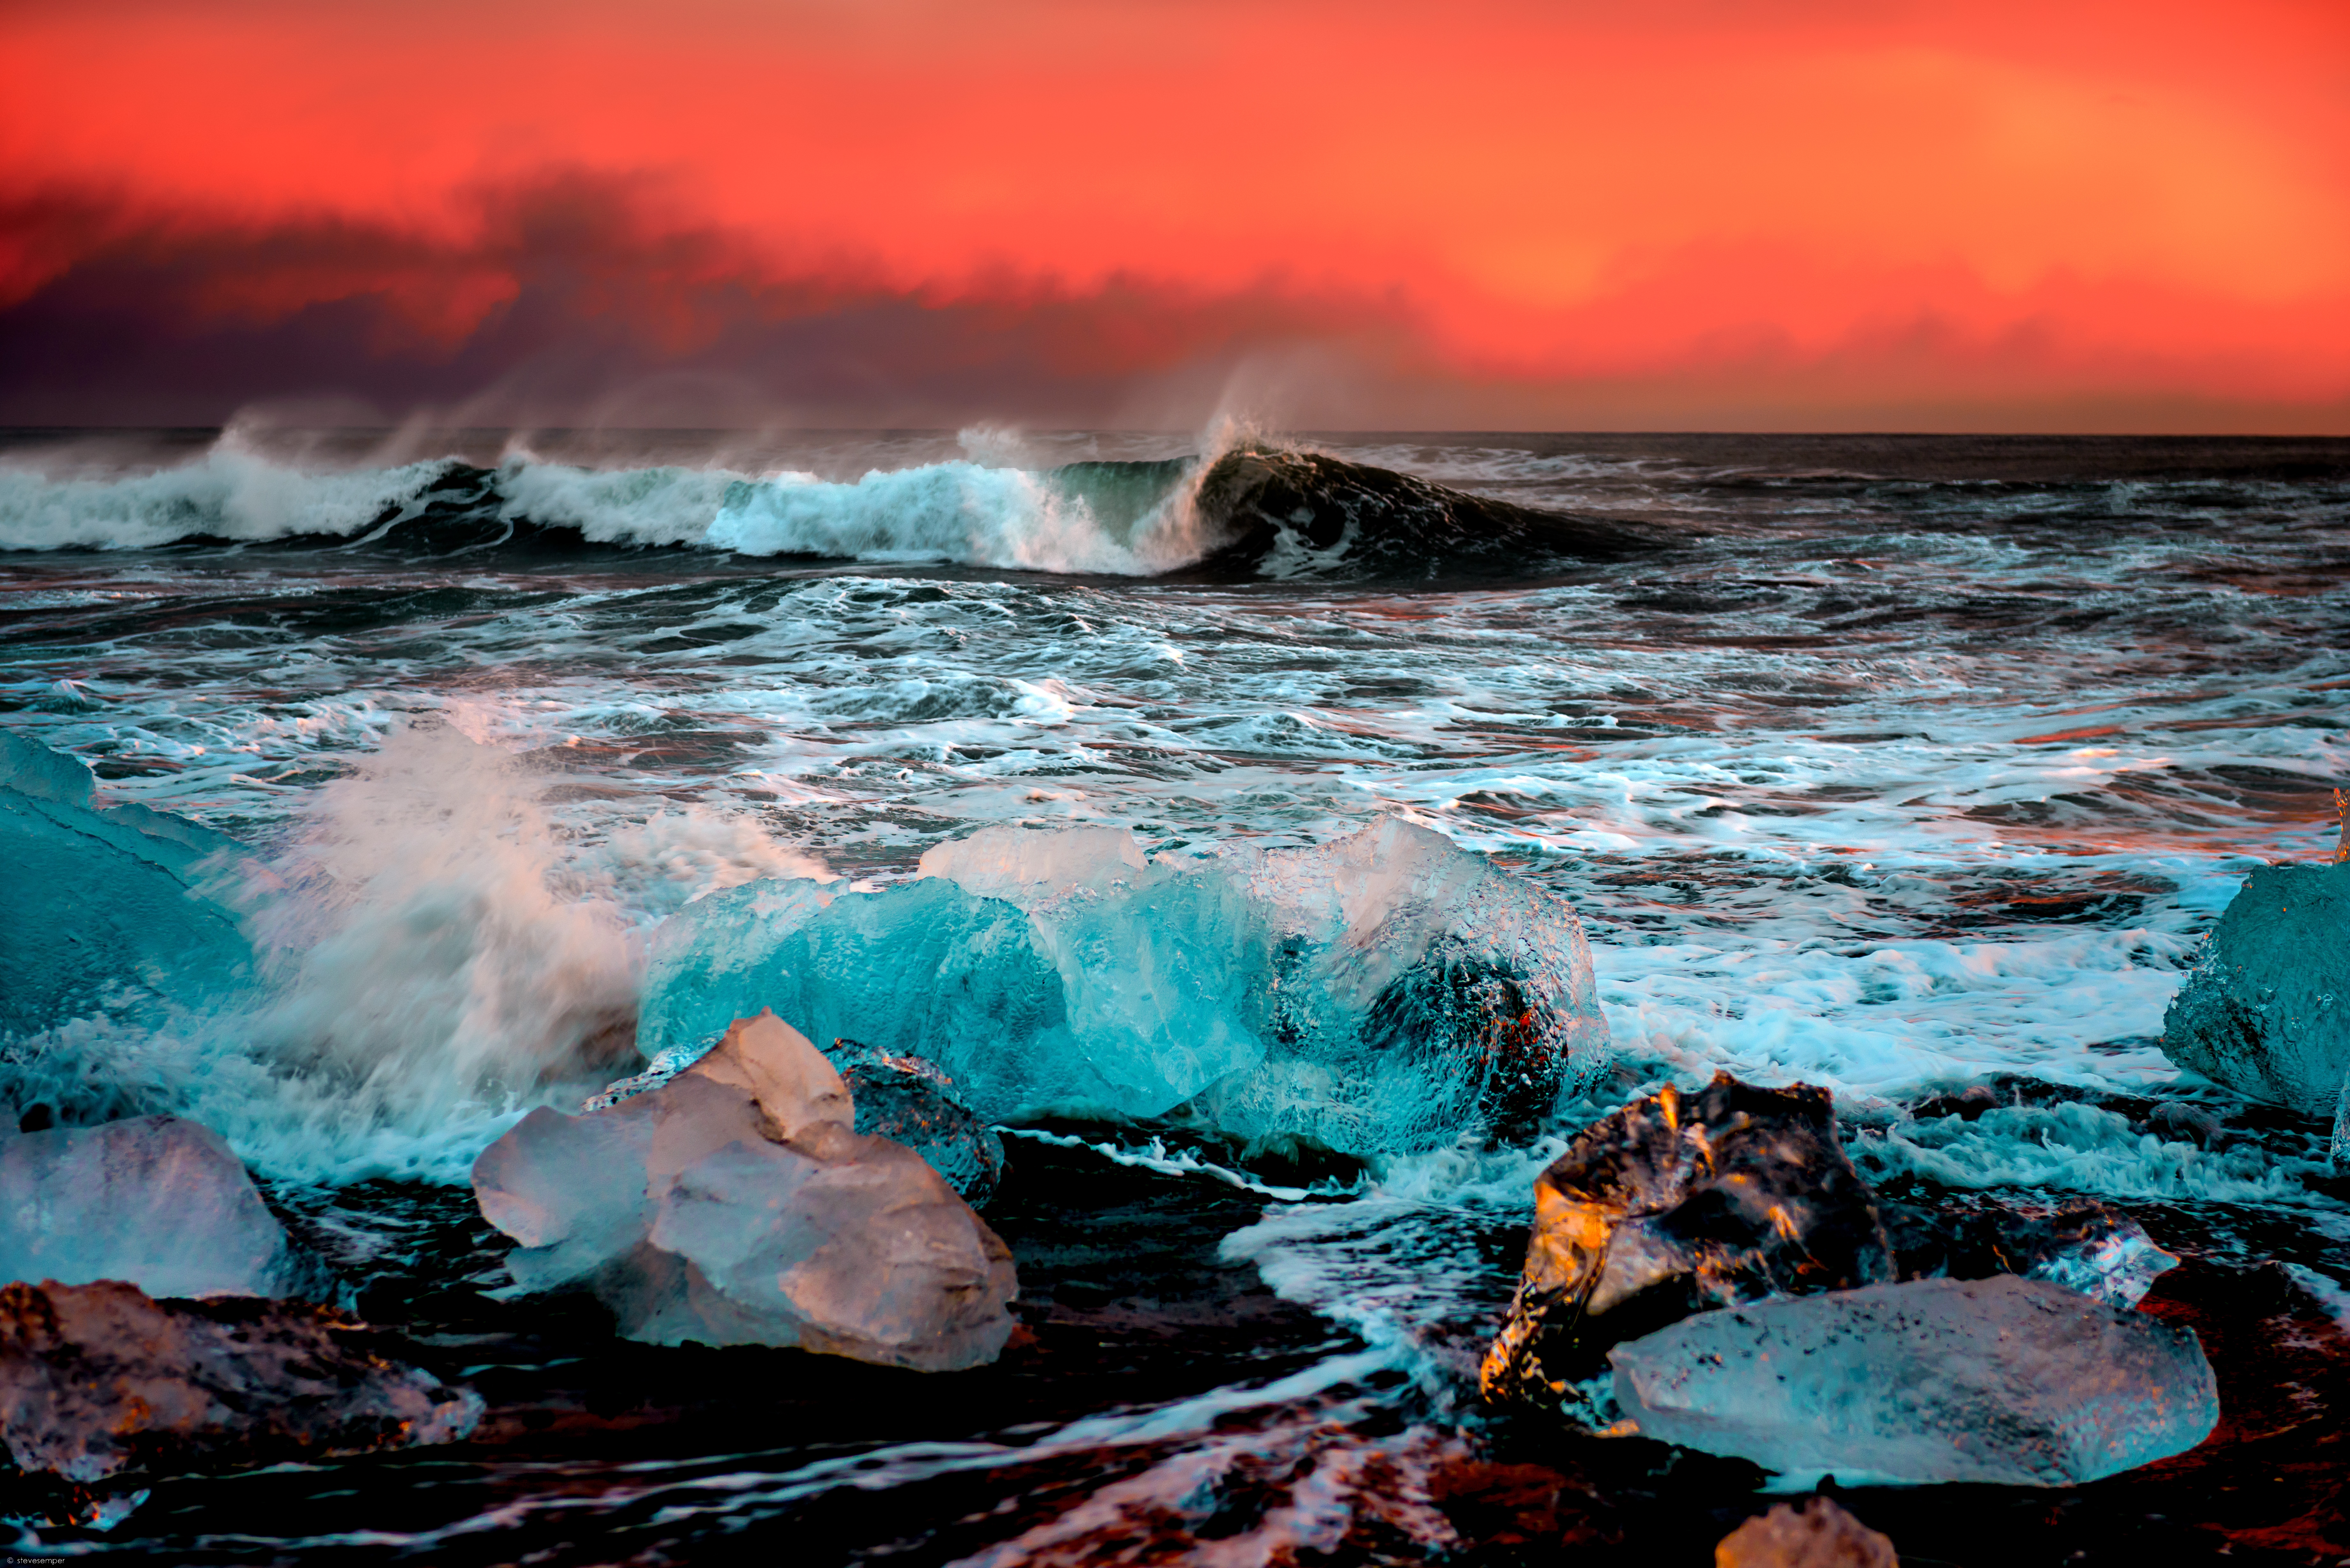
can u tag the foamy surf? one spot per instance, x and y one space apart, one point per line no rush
1239 505
1921 788
960 512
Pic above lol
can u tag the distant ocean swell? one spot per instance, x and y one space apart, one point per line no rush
1252 510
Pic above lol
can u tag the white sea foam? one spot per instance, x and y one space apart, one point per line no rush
230 493
958 511
425 961
661 505
1775 842
968 512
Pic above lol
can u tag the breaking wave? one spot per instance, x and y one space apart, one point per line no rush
1252 510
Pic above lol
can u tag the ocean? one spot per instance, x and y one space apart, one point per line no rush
1898 765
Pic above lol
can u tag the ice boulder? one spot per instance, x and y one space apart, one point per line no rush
735 1204
1382 992
2266 1008
1817 1535
157 1202
104 911
1675 1204
2008 1381
99 1379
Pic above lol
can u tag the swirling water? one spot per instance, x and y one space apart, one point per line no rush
1895 765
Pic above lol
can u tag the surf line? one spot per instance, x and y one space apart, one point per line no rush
1155 1155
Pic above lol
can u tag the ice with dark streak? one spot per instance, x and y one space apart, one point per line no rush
2008 1381
735 1205
106 911
912 1101
1383 993
158 1201
2266 1008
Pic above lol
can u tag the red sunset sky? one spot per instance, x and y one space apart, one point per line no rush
1675 214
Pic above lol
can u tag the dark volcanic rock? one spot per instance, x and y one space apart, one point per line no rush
98 1380
912 1101
1677 1204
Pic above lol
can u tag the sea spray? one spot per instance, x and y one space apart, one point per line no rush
423 955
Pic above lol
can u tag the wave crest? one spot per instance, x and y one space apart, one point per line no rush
1243 508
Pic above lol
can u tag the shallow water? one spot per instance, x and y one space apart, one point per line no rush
1893 764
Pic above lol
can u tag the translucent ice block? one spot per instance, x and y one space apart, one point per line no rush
2005 1380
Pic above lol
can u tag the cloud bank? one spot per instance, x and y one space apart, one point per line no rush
1845 213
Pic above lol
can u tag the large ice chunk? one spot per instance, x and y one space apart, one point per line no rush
103 908
98 1380
2009 1381
158 1201
735 1205
1382 992
1676 1203
2266 1010
906 1099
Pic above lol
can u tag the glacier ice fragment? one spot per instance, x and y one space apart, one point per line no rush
2084 1246
157 1202
2009 1381
906 1099
98 1379
104 908
735 1204
912 1101
2266 1008
1674 1204
1382 992
1818 1534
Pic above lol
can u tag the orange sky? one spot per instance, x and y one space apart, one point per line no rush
2001 215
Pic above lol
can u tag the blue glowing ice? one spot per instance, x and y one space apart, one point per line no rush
104 914
2266 1008
1380 994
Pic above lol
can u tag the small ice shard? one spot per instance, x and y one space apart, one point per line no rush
911 1101
2084 1246
1818 1534
1383 993
158 1201
2097 1251
733 1204
101 1379
2266 1008
104 912
664 1066
2008 1381
1675 1204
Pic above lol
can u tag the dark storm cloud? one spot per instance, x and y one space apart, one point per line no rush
565 295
